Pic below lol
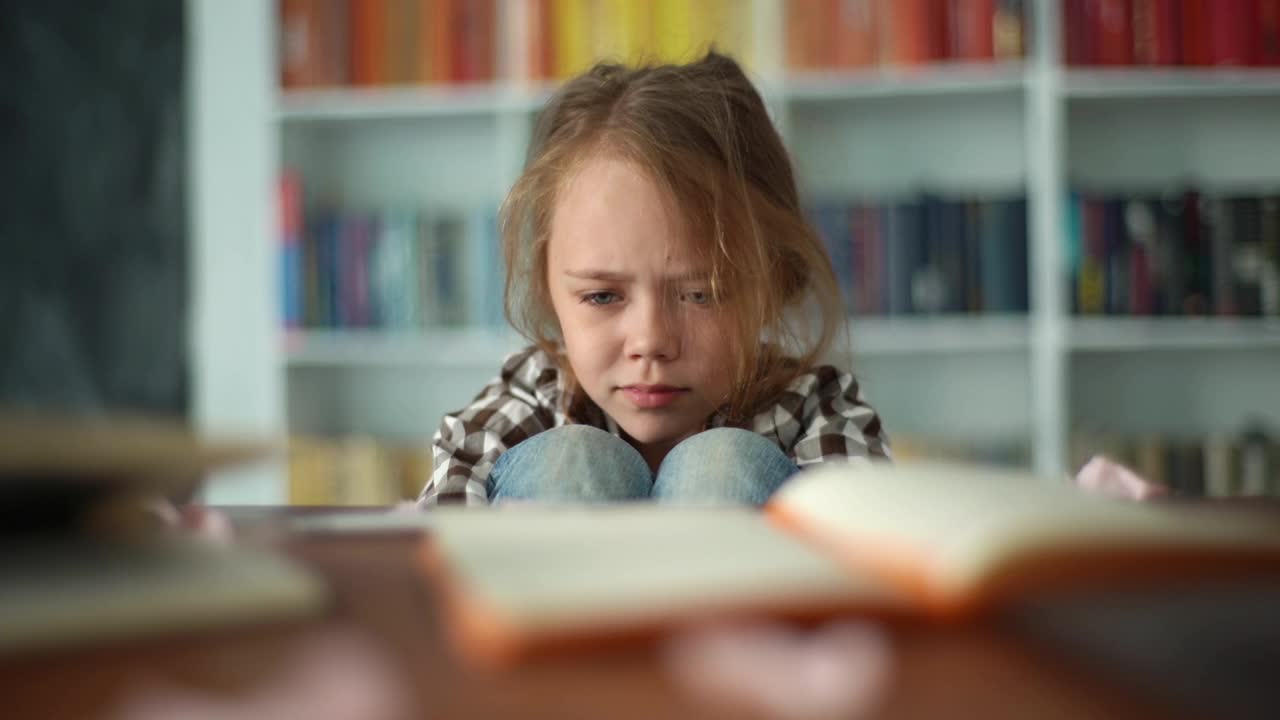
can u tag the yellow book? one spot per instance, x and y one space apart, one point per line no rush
571 19
673 29
925 541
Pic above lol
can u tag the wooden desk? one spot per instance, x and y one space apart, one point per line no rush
955 673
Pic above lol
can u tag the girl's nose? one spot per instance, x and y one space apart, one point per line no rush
653 332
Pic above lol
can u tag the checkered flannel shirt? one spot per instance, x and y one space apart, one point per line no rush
820 416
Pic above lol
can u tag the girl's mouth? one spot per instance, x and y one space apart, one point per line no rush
653 396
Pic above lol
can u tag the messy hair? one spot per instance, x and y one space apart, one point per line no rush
701 133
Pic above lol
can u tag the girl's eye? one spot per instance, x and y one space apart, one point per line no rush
697 297
603 297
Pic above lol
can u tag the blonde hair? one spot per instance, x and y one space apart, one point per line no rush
701 132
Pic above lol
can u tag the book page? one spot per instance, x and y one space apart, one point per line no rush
946 528
547 570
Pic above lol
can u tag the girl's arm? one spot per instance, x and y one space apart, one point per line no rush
836 421
518 404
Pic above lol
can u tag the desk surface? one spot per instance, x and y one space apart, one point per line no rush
963 671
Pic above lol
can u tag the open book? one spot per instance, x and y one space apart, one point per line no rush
921 540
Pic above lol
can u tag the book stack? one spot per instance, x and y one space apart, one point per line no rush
397 269
928 254
846 34
1184 253
355 471
1221 33
1245 464
87 556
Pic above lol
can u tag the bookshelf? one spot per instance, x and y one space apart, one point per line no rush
1034 126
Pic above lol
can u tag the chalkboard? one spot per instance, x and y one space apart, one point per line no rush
93 244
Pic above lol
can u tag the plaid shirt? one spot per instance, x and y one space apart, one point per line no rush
820 416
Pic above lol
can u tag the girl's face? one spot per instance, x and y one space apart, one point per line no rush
641 334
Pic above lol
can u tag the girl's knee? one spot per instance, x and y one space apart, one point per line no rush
723 465
572 463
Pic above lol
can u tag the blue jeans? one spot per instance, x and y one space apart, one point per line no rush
583 464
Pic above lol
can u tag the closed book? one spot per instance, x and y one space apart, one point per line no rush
1155 32
1115 32
368 42
1010 29
1076 32
1268 33
1195 32
1232 32
1246 258
856 38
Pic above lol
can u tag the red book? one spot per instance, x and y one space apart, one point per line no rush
540 39
1155 32
971 26
479 22
1115 32
1195 35
938 29
1232 32
1075 31
1268 32
1141 300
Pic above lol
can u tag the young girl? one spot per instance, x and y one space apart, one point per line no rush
677 300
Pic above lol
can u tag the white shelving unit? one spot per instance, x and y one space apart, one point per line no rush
1033 127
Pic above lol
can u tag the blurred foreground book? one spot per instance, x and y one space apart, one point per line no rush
84 560
926 541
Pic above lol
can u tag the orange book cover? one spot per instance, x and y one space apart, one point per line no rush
299 43
804 20
483 28
906 31
921 543
443 39
368 41
424 43
855 35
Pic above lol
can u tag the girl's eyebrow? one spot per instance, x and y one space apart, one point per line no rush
610 276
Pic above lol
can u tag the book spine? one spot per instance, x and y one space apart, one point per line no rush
291 224
1115 32
1268 43
856 43
1195 36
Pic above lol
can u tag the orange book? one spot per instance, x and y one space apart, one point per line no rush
912 542
906 30
855 34
442 26
368 42
300 36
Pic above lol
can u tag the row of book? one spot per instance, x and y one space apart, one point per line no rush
396 269
1172 32
928 254
1240 464
1185 253
355 470
387 42
363 43
833 34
